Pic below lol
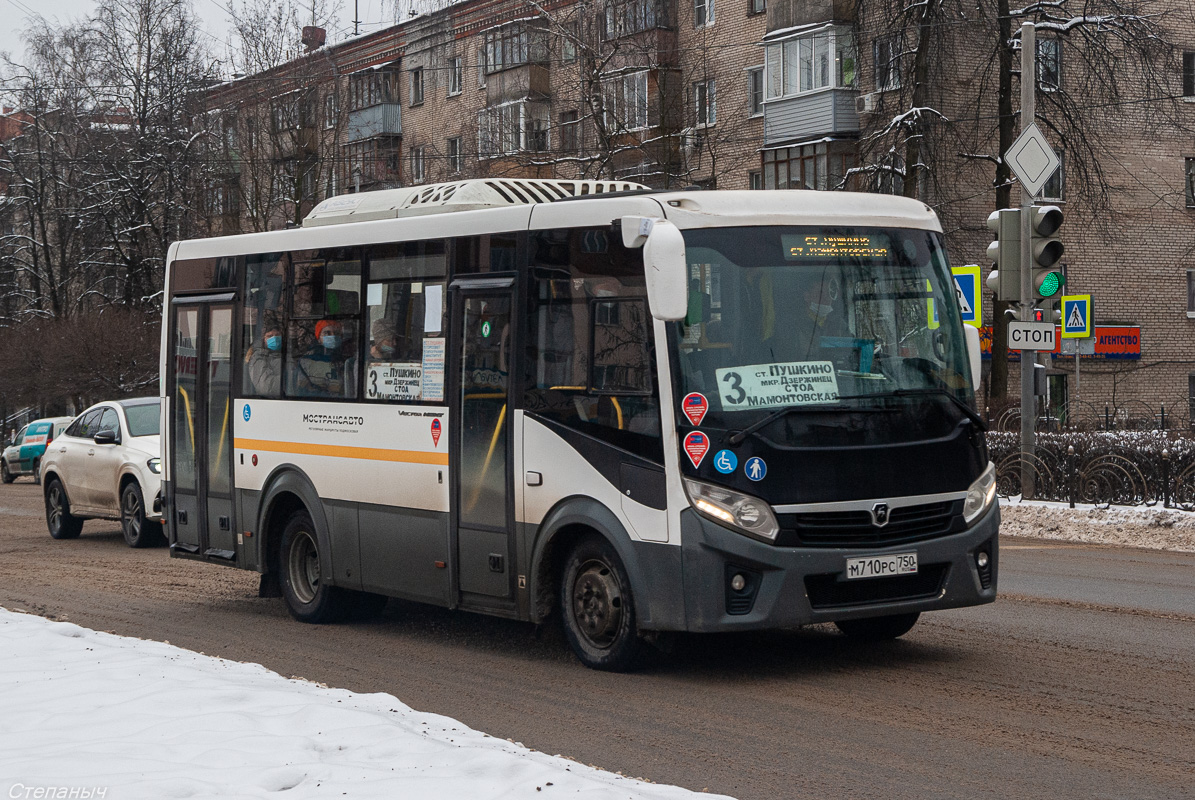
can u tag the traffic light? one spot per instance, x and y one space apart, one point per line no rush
1046 248
1005 279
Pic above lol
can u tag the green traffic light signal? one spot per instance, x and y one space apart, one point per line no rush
1051 284
1046 250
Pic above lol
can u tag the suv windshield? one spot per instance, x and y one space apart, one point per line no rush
817 316
143 419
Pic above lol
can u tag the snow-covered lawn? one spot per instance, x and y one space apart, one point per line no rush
89 714
1132 526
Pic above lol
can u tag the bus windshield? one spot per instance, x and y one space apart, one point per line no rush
793 317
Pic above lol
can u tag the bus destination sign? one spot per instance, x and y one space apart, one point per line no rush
799 248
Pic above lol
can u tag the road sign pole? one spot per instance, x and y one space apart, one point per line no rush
1028 400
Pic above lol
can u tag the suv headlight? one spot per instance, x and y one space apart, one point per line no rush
980 494
155 465
748 514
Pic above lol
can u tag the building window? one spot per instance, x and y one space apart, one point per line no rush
625 17
371 88
626 104
755 91
754 180
331 110
1191 293
887 53
512 127
416 86
370 161
456 75
513 45
1190 182
481 68
568 43
570 129
757 6
1056 185
417 165
809 63
456 159
1188 74
703 13
813 166
705 105
1049 64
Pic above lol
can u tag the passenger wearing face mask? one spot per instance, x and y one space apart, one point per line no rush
385 342
264 362
328 368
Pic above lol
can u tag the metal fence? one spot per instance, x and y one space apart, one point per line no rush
1104 468
1130 415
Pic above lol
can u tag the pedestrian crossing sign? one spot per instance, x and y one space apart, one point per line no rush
1076 316
966 287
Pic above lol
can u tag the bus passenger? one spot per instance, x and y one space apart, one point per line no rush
264 362
327 369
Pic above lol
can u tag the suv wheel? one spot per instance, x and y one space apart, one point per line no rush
5 475
138 532
37 471
60 521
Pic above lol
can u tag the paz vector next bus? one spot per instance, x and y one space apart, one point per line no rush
646 411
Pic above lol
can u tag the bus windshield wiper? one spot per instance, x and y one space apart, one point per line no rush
972 414
777 414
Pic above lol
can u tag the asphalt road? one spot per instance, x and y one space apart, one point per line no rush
1077 683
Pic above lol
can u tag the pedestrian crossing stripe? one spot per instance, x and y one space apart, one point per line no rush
1076 316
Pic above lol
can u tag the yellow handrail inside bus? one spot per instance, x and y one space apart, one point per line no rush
614 400
223 434
190 422
485 467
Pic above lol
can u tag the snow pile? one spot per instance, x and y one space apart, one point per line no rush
1133 526
91 714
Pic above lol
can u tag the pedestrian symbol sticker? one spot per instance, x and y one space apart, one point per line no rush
755 468
726 462
697 444
695 405
1076 316
435 433
966 288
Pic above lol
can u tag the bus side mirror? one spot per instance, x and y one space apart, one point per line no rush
974 354
663 264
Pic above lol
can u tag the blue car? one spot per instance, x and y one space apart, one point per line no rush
23 455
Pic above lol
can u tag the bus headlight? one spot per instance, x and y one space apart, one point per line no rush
155 465
980 494
748 514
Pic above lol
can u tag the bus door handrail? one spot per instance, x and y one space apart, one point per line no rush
613 399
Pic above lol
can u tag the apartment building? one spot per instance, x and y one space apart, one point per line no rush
761 94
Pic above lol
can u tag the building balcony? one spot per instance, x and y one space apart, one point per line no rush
828 112
785 14
383 119
516 83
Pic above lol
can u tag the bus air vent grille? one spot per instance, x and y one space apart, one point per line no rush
855 528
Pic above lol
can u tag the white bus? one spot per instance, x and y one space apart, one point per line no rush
645 411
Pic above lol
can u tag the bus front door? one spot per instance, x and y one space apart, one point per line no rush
201 430
482 451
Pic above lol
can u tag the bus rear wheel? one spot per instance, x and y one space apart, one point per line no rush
597 607
309 597
878 629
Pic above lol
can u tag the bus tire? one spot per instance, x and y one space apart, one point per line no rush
60 521
878 629
5 475
597 607
307 596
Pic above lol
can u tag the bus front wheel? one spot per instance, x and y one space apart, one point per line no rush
597 607
309 597
878 629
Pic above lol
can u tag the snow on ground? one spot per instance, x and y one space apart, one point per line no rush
1133 526
89 714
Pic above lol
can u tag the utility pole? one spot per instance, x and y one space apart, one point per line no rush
356 17
1028 358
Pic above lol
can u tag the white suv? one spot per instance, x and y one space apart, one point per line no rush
105 465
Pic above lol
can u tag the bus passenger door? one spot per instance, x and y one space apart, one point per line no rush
482 503
201 430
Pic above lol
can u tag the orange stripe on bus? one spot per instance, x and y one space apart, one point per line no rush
342 451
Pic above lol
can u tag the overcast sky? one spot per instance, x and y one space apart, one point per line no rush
14 15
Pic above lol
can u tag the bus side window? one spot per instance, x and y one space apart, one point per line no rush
497 252
263 325
590 357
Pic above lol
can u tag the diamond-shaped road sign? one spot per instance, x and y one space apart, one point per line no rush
1032 159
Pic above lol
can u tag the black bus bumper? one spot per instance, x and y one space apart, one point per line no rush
787 587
